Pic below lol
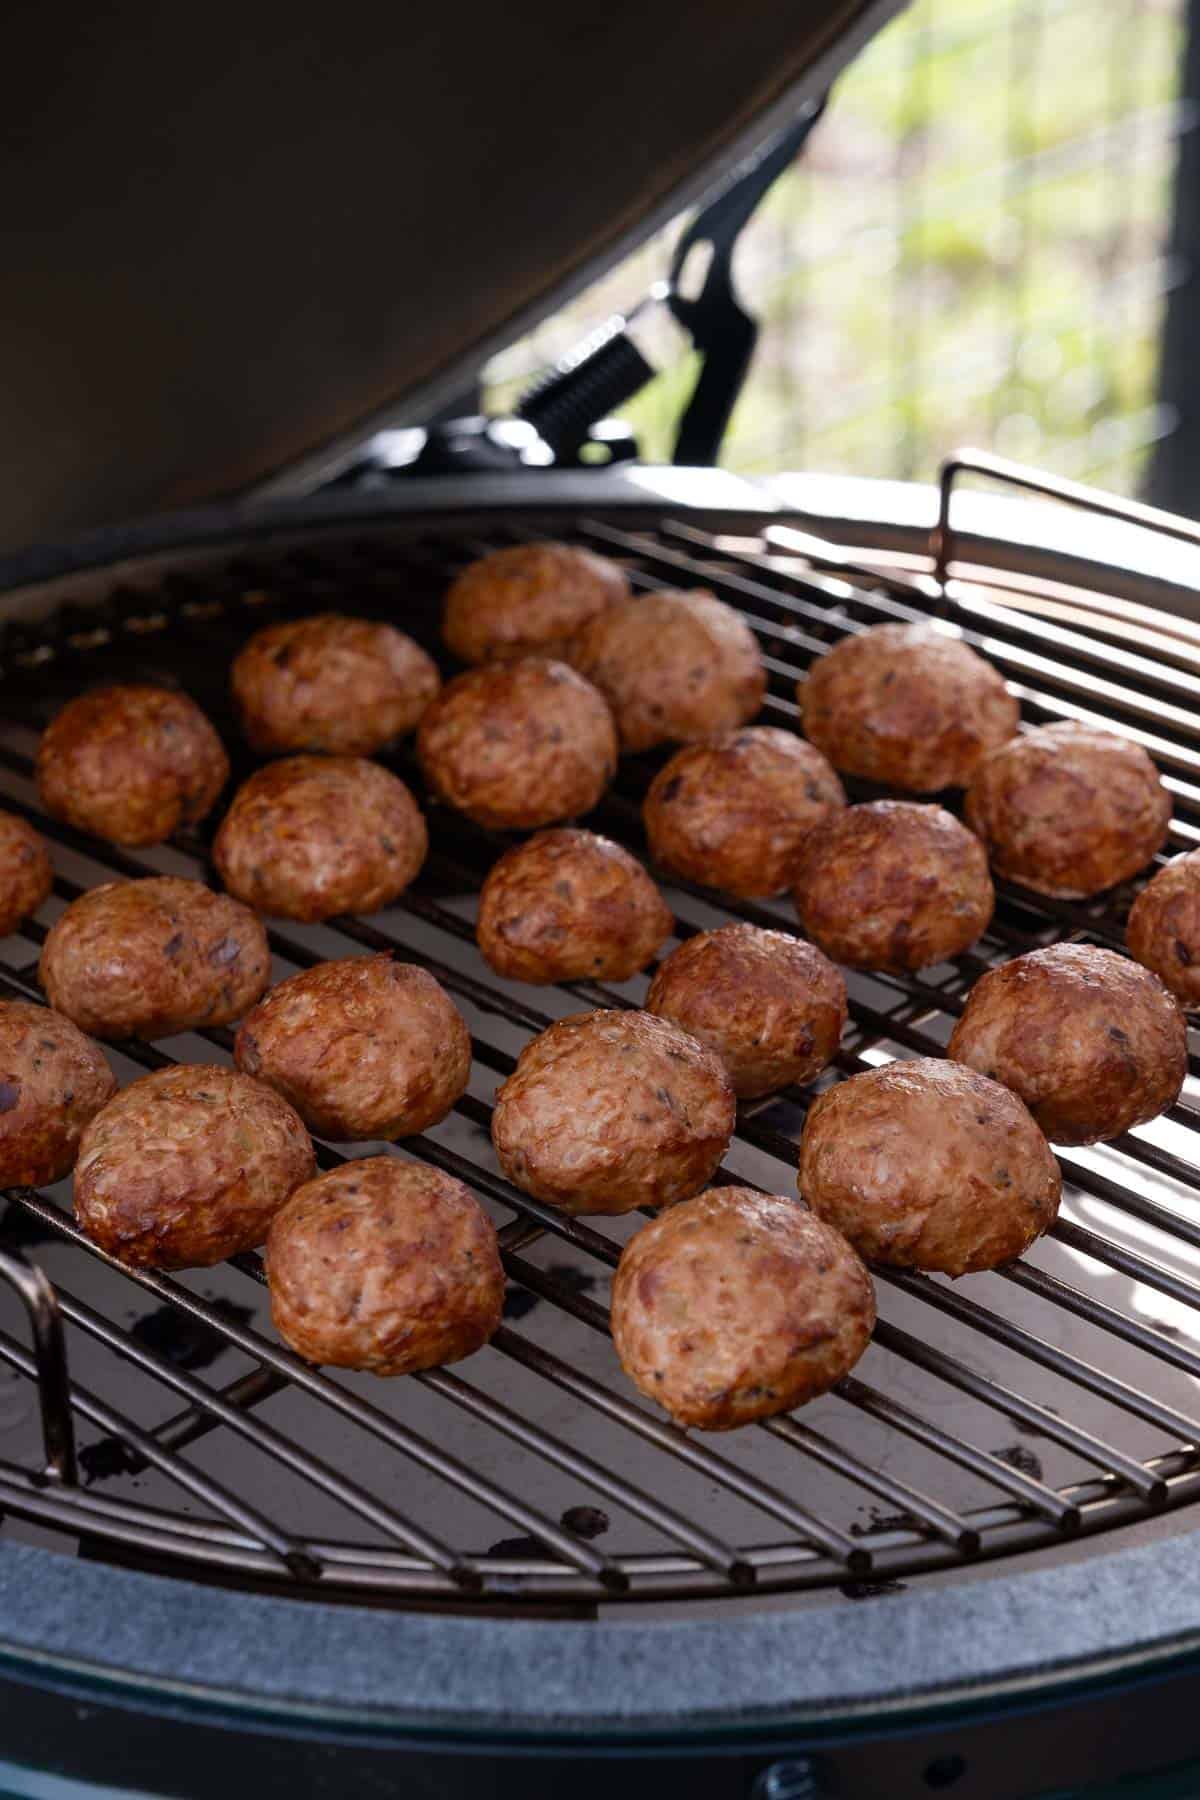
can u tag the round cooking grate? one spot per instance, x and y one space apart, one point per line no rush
1001 1413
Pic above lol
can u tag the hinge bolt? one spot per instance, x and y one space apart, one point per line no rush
791 1780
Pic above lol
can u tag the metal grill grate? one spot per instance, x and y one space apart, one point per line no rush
1000 1413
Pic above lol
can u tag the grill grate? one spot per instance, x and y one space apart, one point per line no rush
998 1414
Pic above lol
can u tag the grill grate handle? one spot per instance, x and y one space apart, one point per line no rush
37 1294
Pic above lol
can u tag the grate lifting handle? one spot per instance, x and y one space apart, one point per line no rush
1051 487
50 1356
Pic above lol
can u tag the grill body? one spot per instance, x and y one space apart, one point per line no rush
1024 1442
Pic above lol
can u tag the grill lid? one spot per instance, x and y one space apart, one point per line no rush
233 237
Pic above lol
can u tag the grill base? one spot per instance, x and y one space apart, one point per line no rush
1010 1689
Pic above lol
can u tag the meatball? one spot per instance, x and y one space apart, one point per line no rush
187 1167
1069 810
893 885
771 1006
608 1111
737 1305
1164 927
568 905
1093 1043
53 1081
147 958
908 706
130 764
527 599
929 1165
673 667
348 686
519 744
734 812
26 874
313 836
384 1265
363 1048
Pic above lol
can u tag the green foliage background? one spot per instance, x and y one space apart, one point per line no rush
973 250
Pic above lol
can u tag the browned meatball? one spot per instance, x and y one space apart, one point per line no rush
771 1006
384 1265
607 1111
131 764
146 958
53 1080
906 705
1091 1042
518 744
673 667
567 905
1164 927
331 683
929 1165
527 599
188 1166
733 813
363 1048
737 1305
26 874
893 885
1069 810
313 836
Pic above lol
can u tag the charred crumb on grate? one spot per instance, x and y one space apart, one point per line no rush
877 1520
186 1342
104 1460
518 1547
585 1522
1026 1462
870 1590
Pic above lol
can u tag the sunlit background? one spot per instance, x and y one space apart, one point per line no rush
973 250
